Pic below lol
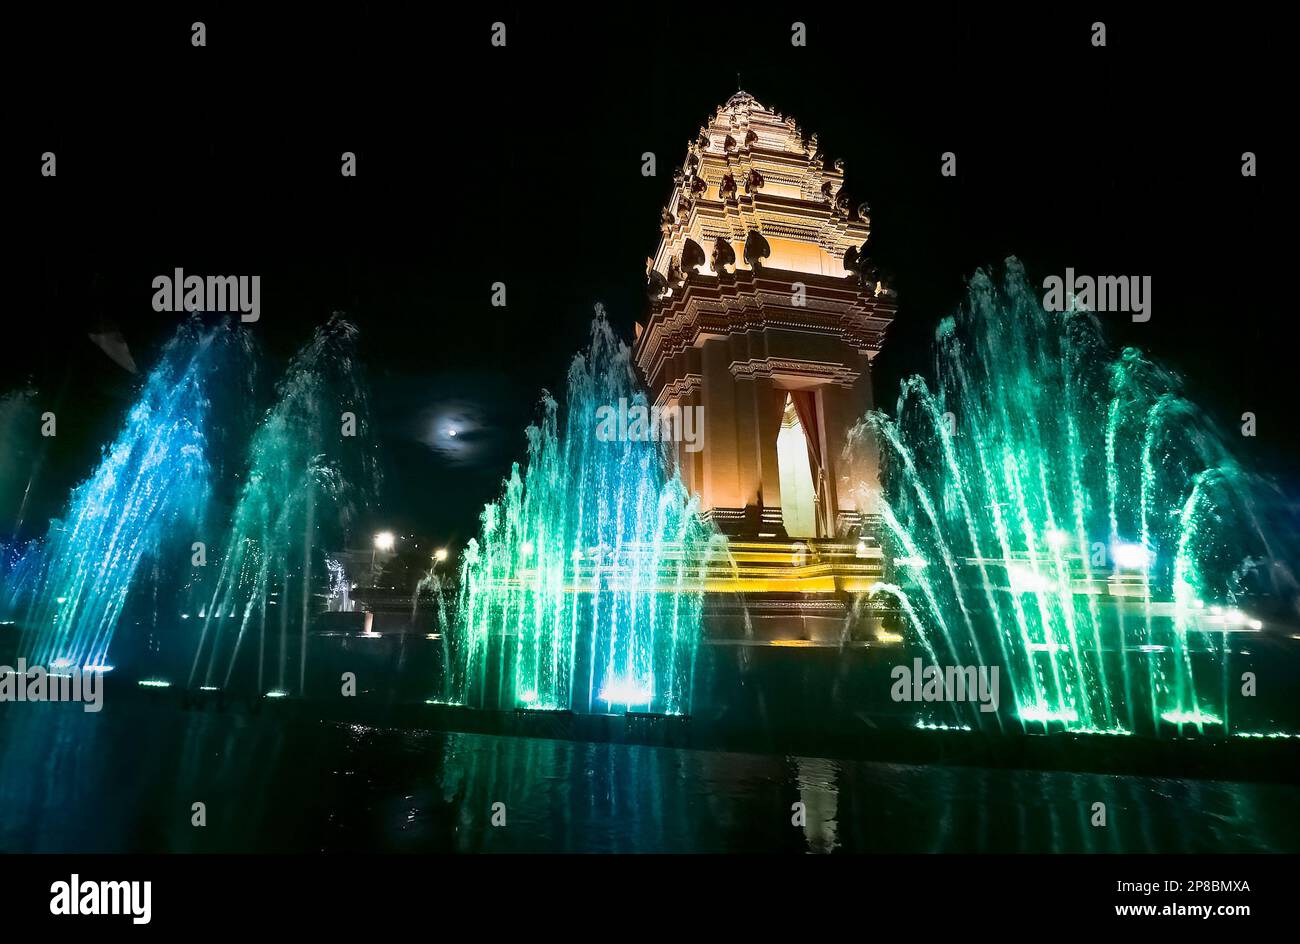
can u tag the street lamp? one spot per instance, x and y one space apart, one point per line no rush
384 541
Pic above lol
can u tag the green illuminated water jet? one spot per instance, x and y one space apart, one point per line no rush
1067 514
310 463
583 589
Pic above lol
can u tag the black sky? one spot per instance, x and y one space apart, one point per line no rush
522 165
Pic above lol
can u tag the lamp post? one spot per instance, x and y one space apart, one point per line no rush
384 541
439 556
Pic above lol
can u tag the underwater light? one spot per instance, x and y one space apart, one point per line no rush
154 683
1233 618
99 667
1025 580
1057 538
1190 717
385 540
277 693
440 554
625 691
1045 715
209 688
1131 556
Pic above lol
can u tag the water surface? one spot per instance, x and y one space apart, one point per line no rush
126 779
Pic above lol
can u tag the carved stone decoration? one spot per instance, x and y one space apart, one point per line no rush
811 146
675 276
870 277
864 212
702 141
692 162
772 366
696 186
727 188
854 258
756 249
692 257
839 164
751 138
828 191
666 221
729 144
723 255
754 181
656 285
842 201
678 176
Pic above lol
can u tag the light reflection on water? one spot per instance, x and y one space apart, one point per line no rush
125 780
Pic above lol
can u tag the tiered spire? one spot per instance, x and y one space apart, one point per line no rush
754 191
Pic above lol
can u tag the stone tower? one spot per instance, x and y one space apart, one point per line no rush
765 312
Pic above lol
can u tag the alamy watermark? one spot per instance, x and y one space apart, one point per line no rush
1106 293
79 897
37 684
181 292
637 422
919 682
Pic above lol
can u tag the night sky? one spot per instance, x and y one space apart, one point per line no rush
522 165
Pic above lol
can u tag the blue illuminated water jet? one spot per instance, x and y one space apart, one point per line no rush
146 498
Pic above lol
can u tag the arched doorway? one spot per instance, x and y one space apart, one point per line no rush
798 488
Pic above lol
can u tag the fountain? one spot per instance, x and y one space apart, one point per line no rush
583 589
1070 516
309 464
132 547
145 500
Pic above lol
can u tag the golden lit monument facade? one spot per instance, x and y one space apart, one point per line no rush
766 313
